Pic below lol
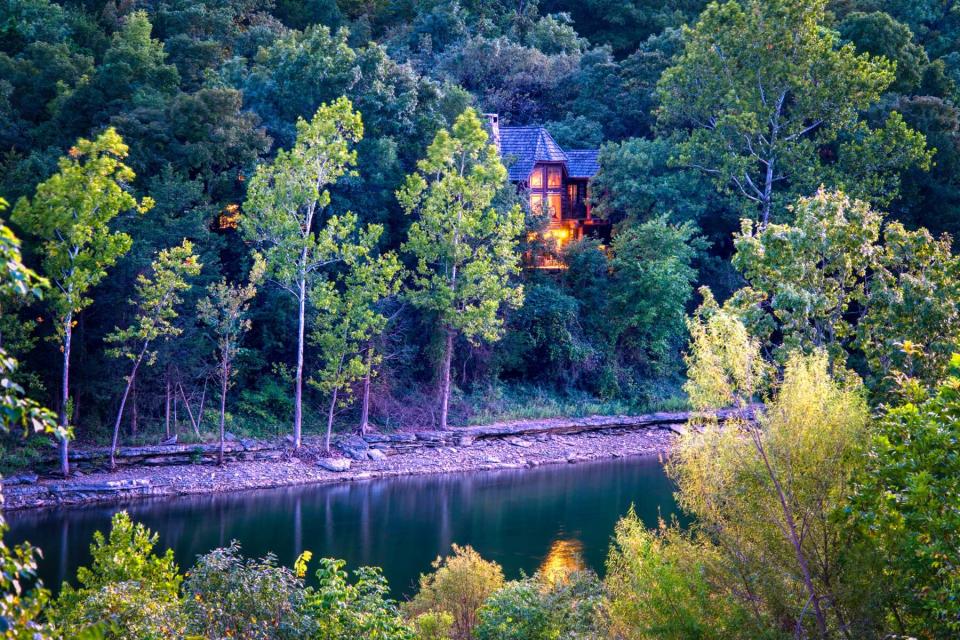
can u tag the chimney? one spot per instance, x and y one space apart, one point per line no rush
493 124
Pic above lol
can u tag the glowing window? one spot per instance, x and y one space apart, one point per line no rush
554 177
536 178
554 201
536 202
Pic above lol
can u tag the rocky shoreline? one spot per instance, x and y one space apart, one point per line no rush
512 452
189 469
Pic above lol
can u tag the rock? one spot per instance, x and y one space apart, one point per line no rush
464 441
172 440
519 442
354 447
23 478
376 454
229 437
491 460
337 465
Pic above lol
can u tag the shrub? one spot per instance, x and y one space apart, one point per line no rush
906 507
459 586
534 609
229 596
515 612
344 611
433 626
19 607
658 588
128 589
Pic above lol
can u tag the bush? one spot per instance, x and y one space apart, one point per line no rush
658 588
228 596
459 586
344 611
907 508
515 612
128 590
19 607
535 609
433 626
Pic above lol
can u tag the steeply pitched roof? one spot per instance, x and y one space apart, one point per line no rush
523 147
582 163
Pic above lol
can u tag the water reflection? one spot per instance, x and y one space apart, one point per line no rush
548 518
564 557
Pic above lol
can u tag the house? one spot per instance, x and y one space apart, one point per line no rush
556 180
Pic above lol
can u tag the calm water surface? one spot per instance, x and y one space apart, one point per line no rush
522 519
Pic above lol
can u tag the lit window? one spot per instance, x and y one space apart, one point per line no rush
536 202
554 177
536 178
554 202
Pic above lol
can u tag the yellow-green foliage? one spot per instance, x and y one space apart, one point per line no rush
661 585
459 585
128 591
724 365
433 625
765 492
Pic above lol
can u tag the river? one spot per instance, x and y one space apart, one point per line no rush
523 519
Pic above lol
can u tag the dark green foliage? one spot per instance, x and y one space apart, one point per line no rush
906 509
227 596
204 91
538 609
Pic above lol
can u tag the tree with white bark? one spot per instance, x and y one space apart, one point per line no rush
156 299
225 312
71 214
284 210
465 247
349 319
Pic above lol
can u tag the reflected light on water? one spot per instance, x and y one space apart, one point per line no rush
564 557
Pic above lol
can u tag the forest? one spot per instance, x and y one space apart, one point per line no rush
289 219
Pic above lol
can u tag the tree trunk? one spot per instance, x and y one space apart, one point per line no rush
333 406
298 390
794 537
65 394
223 408
166 409
445 380
365 404
194 423
133 411
767 194
123 403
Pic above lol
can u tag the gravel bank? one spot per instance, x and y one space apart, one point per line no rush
511 452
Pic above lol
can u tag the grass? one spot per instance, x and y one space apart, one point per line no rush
528 402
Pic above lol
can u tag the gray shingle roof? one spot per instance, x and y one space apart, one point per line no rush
523 147
582 163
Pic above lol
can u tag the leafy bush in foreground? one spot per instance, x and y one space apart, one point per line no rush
128 590
459 586
229 596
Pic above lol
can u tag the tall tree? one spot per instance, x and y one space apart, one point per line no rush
71 213
285 202
155 301
764 94
464 247
837 280
350 318
225 312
